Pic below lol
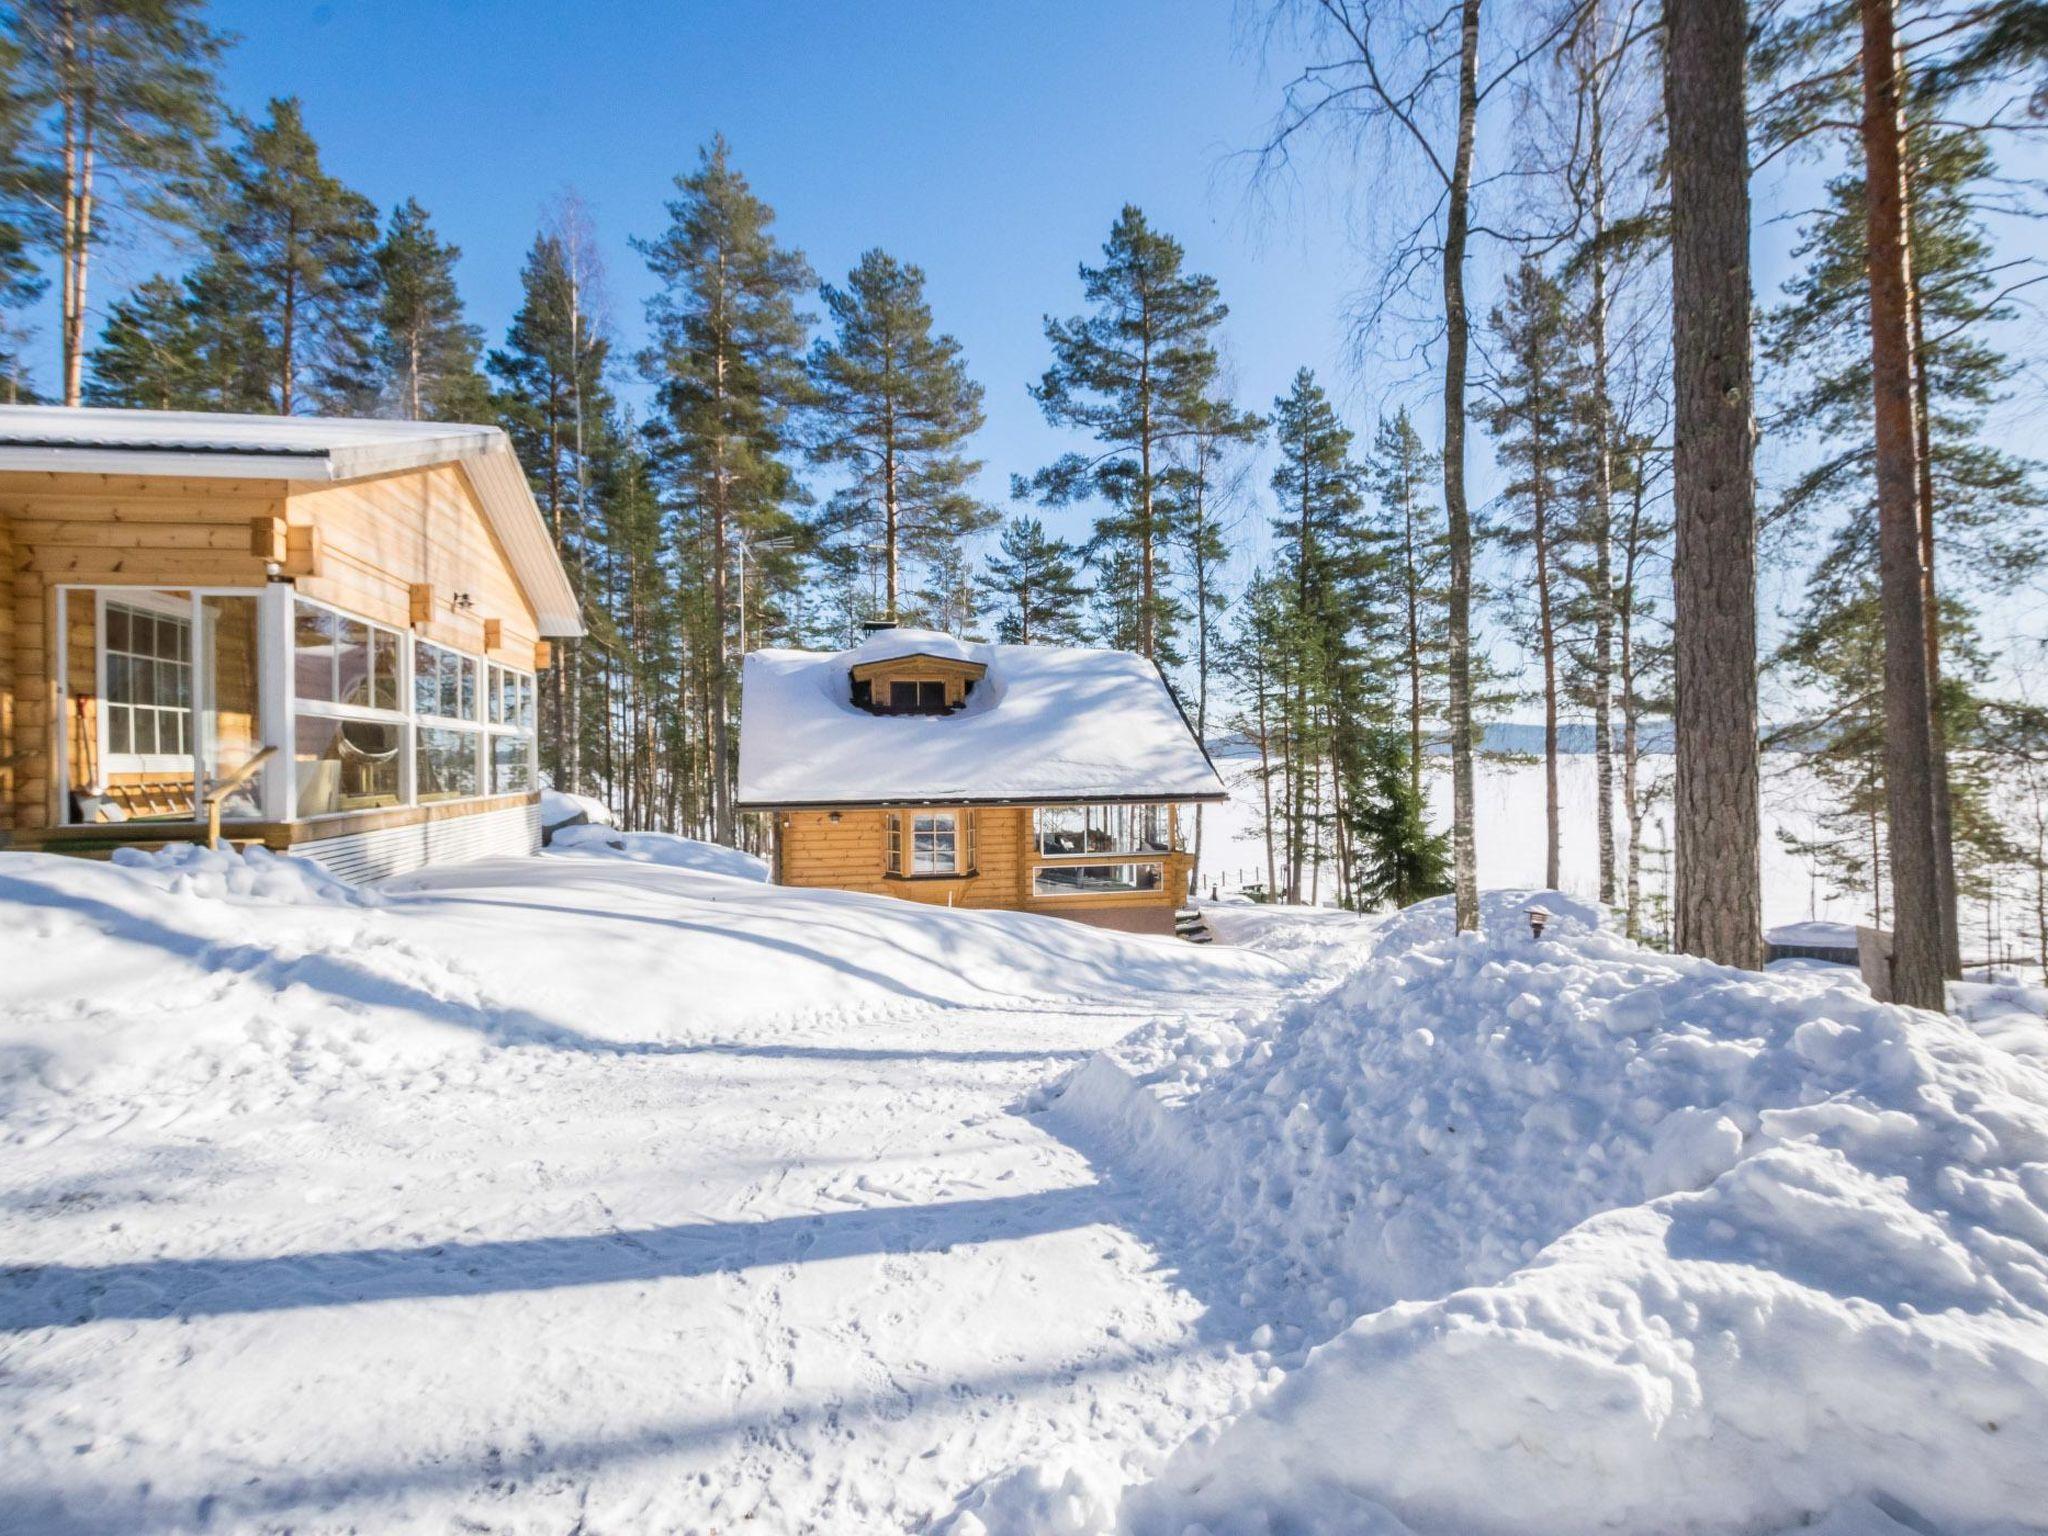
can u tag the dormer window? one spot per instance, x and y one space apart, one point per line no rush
914 685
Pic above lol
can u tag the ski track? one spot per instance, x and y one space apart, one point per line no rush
823 1274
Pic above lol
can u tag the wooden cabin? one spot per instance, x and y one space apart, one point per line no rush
1030 778
324 633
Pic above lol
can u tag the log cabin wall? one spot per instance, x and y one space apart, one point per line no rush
851 854
384 548
122 530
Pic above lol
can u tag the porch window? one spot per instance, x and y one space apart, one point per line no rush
1065 831
509 707
450 738
1087 879
348 743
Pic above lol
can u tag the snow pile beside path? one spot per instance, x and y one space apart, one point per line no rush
559 808
660 848
1625 1241
252 875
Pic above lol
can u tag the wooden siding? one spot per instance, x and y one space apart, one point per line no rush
422 537
364 546
115 530
851 854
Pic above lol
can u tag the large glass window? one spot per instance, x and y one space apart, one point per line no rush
1085 879
339 659
446 763
443 682
1066 831
347 765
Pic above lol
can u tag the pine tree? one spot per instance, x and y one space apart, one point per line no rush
124 99
1398 861
24 191
1033 587
1138 373
551 387
895 406
149 352
1717 812
1537 420
294 254
427 352
726 362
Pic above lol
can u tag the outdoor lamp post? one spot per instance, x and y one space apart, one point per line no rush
1538 916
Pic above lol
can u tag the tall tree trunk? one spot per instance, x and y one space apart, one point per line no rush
1944 803
1603 480
1412 582
1631 749
1552 838
1917 940
1266 787
1457 343
1718 833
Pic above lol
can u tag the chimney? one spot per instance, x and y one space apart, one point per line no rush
876 626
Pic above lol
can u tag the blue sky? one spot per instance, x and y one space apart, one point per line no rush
990 143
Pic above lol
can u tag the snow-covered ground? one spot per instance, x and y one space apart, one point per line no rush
617 1191
588 1192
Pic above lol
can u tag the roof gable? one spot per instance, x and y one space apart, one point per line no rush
304 449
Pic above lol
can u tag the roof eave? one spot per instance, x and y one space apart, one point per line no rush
1079 797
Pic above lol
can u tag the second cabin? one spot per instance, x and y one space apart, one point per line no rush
1032 778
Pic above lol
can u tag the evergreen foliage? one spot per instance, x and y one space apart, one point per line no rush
1032 584
293 264
148 354
1138 373
427 351
726 361
895 407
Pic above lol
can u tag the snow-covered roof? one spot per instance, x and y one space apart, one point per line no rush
1045 724
205 445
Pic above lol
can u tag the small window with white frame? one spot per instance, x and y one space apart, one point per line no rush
508 698
147 692
448 741
927 844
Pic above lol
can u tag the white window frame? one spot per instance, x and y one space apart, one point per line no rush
273 687
494 732
148 600
334 709
900 857
1123 817
475 725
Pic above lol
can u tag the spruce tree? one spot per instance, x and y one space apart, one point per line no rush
1033 587
1410 523
149 352
1138 373
895 406
295 253
727 365
427 351
124 102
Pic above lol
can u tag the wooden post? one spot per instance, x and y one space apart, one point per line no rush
494 633
422 599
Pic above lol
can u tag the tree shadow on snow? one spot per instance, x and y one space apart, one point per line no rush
66 1296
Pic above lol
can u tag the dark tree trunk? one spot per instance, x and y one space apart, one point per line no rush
1718 881
1457 343
1917 940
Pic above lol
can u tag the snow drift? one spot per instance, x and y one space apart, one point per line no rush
1612 1240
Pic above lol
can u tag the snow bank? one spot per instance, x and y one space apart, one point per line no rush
247 875
659 848
558 808
1614 1240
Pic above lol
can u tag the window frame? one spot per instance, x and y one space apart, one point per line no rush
150 600
336 709
900 836
1125 817
496 674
